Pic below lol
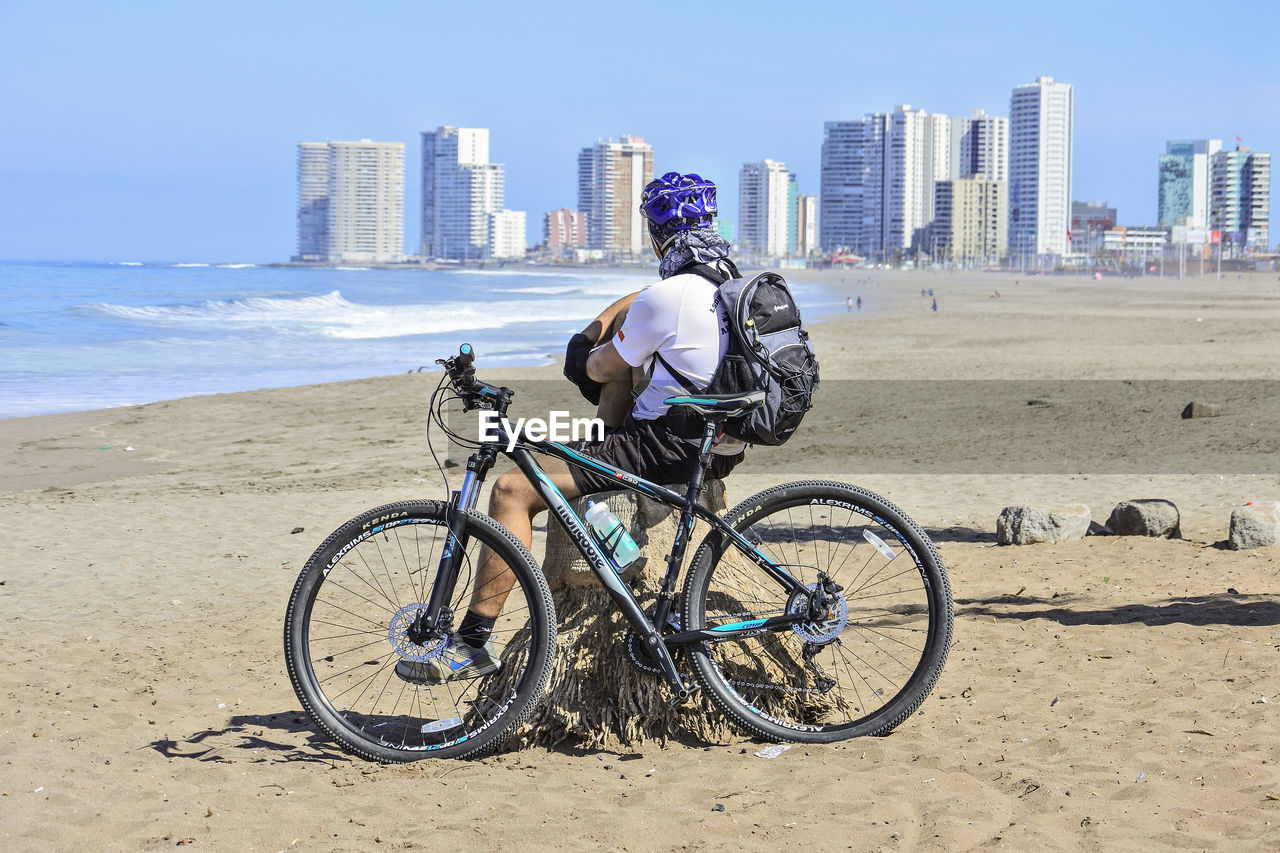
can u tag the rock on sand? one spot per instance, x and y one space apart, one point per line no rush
1146 517
1255 526
1028 525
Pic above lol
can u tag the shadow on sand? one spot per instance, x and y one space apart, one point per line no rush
1221 609
246 733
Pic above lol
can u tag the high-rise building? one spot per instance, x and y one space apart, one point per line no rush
357 212
878 176
564 230
971 218
980 146
1240 200
793 215
850 183
806 225
916 155
1184 182
611 176
763 211
313 202
1040 132
507 237
461 190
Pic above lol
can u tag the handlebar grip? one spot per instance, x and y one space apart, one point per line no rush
466 355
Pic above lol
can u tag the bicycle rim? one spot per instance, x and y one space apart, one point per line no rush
349 625
873 657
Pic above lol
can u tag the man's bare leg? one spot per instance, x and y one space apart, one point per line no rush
513 504
514 501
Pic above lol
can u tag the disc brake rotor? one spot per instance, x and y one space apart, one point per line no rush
398 634
827 629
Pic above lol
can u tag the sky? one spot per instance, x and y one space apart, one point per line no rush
162 131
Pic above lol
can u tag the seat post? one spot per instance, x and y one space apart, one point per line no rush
704 459
676 558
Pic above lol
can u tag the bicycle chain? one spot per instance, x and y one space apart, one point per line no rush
756 615
775 687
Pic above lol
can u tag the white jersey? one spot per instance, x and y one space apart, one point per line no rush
680 318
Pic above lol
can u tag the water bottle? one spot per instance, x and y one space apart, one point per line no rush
611 535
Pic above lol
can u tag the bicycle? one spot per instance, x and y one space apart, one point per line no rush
813 612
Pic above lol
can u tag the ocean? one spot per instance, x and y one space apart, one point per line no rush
78 336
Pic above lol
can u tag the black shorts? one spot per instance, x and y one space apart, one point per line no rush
647 449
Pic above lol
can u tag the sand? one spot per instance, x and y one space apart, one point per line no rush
1111 693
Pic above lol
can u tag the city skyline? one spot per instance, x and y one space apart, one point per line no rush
149 135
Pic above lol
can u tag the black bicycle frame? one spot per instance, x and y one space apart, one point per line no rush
522 453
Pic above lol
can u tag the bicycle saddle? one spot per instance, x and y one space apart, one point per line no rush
719 405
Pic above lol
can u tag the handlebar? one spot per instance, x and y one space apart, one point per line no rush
474 393
466 355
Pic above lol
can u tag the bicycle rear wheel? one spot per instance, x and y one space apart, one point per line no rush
349 623
863 668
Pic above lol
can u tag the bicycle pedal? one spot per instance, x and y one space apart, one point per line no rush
679 698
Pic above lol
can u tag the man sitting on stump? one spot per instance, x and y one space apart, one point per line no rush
626 362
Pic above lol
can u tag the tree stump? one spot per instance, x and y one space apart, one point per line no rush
595 694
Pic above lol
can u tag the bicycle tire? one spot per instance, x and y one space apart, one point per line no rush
880 652
346 629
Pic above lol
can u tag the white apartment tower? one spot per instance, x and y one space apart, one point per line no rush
916 154
611 176
461 191
356 211
507 238
980 146
763 211
1040 130
806 225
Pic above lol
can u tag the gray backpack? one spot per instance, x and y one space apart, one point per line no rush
768 351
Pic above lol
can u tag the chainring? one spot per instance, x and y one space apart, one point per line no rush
638 655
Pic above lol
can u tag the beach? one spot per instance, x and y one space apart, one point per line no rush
1112 693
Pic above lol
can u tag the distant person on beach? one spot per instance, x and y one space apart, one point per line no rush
635 344
859 303
935 305
848 303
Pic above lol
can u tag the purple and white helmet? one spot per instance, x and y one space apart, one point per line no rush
677 202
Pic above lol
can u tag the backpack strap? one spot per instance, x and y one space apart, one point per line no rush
713 274
675 374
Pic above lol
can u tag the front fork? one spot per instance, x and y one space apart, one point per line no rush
429 624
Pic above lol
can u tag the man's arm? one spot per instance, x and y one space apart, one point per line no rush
603 327
605 364
578 353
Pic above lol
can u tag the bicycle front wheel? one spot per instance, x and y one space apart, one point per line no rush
354 653
868 662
